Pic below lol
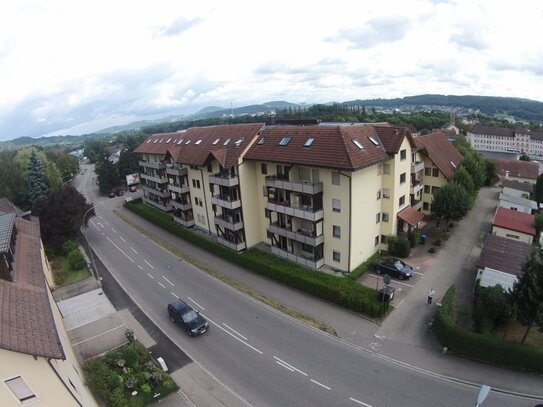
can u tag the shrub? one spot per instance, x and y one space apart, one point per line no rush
398 246
76 260
414 237
69 246
145 388
60 276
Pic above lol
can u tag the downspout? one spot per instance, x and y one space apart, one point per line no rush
205 201
62 381
350 216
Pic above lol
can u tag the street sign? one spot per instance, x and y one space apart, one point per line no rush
386 279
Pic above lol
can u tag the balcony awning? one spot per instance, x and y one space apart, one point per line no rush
411 216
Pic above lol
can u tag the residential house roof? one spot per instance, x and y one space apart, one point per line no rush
519 201
7 220
520 186
516 168
26 319
392 137
492 131
513 220
340 147
441 151
6 206
503 254
411 216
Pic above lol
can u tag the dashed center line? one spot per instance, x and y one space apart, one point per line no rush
320 384
150 276
123 239
162 285
149 264
233 336
172 284
359 402
129 258
289 365
203 309
141 268
233 330
134 250
174 294
285 366
114 231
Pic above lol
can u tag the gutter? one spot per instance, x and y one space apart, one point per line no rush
350 216
62 381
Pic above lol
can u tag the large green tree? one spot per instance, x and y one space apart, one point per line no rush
462 177
451 202
37 185
13 186
538 190
492 309
67 164
108 175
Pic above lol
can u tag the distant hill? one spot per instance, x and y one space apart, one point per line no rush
49 141
267 107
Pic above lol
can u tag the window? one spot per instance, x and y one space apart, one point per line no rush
383 239
198 142
336 256
239 141
284 141
209 167
216 141
196 183
512 236
379 194
403 155
336 231
386 168
226 142
376 240
386 193
264 190
435 189
374 141
20 389
384 217
336 205
402 178
435 172
261 141
307 248
378 217
425 206
358 144
402 200
336 180
309 142
427 171
188 141
427 189
263 169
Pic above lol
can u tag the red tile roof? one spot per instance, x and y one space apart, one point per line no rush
333 146
503 254
392 137
516 168
6 206
514 220
492 131
26 319
441 151
411 216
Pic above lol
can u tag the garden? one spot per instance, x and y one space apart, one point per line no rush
69 266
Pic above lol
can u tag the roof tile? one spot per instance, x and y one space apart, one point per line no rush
441 151
514 220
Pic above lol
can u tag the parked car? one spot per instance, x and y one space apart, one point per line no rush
111 194
132 188
120 192
393 267
188 318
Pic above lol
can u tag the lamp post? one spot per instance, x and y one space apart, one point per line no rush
93 264
483 393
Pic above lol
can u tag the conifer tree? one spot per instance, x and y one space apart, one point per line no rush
37 185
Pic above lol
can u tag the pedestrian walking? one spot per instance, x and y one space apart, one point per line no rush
431 294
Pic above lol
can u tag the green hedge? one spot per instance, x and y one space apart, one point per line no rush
339 290
480 347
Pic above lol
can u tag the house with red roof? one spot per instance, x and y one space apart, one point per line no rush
514 225
516 170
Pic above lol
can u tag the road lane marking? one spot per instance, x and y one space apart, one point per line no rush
174 294
394 281
149 264
131 248
111 241
100 217
416 272
285 366
359 402
141 268
162 285
114 231
150 276
233 330
320 384
289 365
107 224
172 284
103 234
203 309
122 238
233 336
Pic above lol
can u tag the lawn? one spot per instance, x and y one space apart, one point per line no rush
62 273
514 332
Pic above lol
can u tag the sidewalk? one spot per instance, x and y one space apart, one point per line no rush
404 336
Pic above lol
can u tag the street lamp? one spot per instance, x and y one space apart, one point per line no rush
93 264
483 393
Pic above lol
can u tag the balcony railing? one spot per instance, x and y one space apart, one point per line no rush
157 165
186 223
226 180
154 178
184 206
307 213
414 189
161 193
311 263
301 235
228 223
304 187
226 202
176 171
234 246
417 166
180 189
161 206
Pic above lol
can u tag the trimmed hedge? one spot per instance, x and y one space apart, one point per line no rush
342 291
480 347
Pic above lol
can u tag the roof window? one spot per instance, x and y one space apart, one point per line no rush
155 140
174 141
161 140
309 142
180 141
226 141
261 141
374 141
167 141
284 141
454 165
216 142
198 142
148 141
358 144
238 142
188 141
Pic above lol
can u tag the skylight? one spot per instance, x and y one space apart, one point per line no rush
358 144
238 142
155 140
198 142
161 140
453 164
309 142
374 141
174 141
226 141
216 141
180 141
167 141
148 141
188 141
284 141
262 140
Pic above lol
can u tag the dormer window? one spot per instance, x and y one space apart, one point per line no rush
284 141
358 144
454 165
155 140
216 141
309 142
161 140
148 141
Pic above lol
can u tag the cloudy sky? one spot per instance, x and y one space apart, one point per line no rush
69 67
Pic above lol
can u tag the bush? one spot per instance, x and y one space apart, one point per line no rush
414 237
76 260
69 246
398 246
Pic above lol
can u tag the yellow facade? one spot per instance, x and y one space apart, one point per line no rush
512 234
433 179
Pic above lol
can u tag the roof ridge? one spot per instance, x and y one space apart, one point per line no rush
340 129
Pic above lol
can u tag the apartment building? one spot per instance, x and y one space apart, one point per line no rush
484 138
38 364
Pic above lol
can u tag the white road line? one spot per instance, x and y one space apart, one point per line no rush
103 234
320 384
94 224
129 258
395 282
150 276
122 238
114 231
233 330
141 268
416 272
149 264
172 284
289 365
234 336
174 294
359 402
107 224
285 366
131 248
100 217
203 309
100 334
162 285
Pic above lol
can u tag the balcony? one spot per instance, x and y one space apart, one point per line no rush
228 223
301 235
226 180
154 178
175 171
185 223
184 206
311 263
300 212
304 187
231 245
160 193
416 204
157 165
417 166
225 202
159 205
414 189
180 189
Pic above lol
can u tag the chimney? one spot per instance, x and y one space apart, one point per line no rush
506 174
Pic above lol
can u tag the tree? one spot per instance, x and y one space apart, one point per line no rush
491 172
61 215
451 202
524 157
492 309
37 186
13 186
128 163
66 164
475 165
462 177
108 175
538 223
538 190
527 294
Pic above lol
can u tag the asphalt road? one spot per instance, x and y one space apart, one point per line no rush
267 358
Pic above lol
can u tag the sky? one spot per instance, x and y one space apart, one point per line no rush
73 67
